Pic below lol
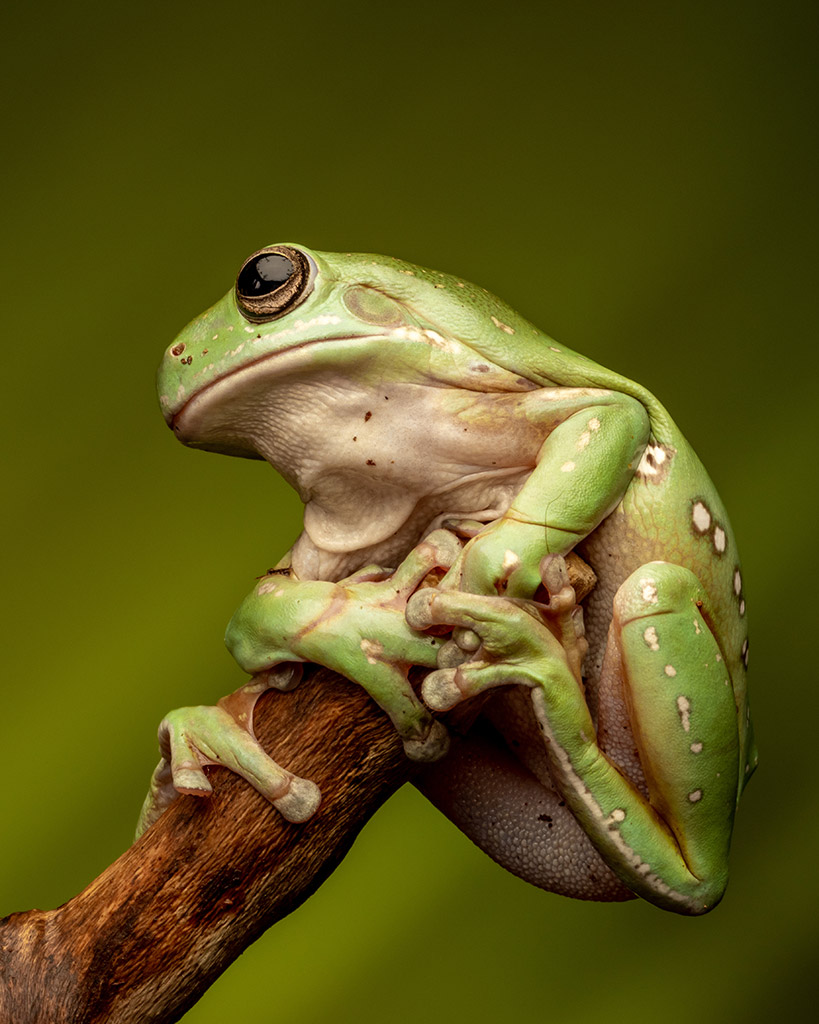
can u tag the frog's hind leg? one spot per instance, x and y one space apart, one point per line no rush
678 697
670 844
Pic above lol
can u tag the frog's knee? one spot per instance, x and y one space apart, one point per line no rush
656 588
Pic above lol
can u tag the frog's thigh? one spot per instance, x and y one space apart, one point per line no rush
681 706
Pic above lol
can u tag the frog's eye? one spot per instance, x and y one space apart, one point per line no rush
272 282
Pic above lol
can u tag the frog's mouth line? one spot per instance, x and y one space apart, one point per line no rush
174 419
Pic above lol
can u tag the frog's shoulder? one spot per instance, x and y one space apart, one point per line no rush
549 363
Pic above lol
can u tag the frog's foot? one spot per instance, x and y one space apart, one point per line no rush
192 738
503 639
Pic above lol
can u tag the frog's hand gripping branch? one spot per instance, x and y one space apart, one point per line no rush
355 627
191 739
144 941
672 847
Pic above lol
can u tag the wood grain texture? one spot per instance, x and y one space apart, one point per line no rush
145 940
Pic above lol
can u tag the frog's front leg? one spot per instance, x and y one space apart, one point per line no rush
593 442
666 836
355 627
191 739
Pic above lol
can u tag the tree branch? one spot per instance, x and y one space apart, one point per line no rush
146 939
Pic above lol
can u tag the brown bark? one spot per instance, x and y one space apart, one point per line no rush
145 940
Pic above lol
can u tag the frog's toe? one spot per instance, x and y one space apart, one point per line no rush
445 548
191 781
284 677
419 609
451 654
554 575
300 802
432 747
465 528
440 691
161 795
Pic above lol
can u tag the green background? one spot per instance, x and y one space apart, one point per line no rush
639 180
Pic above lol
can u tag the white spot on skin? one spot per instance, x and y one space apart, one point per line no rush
695 796
504 327
670 671
583 440
214 337
553 348
594 423
567 467
618 814
741 607
649 591
696 748
651 639
653 458
436 339
697 629
701 517
684 710
373 650
737 582
511 561
324 320
270 586
411 333
250 330
719 539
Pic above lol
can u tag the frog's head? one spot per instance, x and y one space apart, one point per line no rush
341 320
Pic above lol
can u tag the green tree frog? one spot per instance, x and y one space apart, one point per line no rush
612 739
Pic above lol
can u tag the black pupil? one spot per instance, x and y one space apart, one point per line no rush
265 274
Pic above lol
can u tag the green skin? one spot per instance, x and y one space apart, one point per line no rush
396 400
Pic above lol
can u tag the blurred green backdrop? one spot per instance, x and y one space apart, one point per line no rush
639 180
